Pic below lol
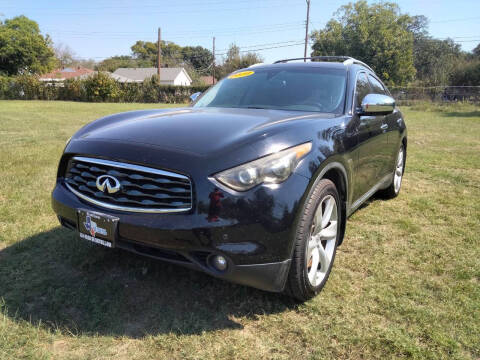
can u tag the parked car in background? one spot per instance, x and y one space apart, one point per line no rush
253 183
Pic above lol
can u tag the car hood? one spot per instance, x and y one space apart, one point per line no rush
200 131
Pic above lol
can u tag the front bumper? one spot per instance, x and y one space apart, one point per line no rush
254 230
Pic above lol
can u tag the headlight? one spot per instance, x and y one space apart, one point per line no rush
271 169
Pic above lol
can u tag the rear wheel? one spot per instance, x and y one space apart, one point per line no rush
394 189
316 242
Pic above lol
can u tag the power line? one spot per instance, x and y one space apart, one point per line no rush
268 48
221 54
453 38
179 58
431 22
80 35
185 32
265 44
250 48
153 12
454 20
156 6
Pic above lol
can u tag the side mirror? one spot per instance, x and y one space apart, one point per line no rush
377 104
194 97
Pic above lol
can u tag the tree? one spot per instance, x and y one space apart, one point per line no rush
236 60
23 49
146 51
113 63
418 26
466 74
376 34
64 55
200 58
435 60
86 63
476 51
101 87
144 54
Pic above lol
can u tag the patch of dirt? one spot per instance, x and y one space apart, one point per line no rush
59 346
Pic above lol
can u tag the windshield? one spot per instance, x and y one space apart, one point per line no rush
304 89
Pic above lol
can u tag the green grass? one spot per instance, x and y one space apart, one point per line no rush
406 282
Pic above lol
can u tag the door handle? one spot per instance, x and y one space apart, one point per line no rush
384 127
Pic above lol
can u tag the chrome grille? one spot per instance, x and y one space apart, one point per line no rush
142 189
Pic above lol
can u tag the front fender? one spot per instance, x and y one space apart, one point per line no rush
338 169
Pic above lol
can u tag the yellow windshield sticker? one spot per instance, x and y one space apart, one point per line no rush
241 74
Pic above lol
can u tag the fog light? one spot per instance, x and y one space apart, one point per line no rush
219 262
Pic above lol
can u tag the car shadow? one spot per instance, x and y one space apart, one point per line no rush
66 284
378 196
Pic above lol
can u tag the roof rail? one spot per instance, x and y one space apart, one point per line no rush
257 64
346 60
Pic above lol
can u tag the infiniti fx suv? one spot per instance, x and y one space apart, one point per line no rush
253 183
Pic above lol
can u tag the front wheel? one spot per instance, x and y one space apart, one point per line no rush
317 236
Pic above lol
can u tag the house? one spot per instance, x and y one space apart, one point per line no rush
207 80
115 77
168 76
65 73
119 78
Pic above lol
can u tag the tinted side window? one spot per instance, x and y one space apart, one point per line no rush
363 88
377 86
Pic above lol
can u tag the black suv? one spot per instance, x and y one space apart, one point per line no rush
253 183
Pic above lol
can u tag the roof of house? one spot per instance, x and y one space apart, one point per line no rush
119 78
207 80
140 74
115 77
66 73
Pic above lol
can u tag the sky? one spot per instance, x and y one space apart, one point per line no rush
273 28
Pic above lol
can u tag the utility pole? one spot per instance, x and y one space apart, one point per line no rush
213 70
306 30
159 55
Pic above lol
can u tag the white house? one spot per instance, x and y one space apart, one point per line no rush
168 76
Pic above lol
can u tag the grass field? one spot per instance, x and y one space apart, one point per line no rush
406 282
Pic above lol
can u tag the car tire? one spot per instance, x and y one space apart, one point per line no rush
394 188
316 239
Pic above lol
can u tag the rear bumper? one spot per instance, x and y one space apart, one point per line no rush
253 231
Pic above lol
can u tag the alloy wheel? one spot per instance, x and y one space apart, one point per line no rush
321 244
397 179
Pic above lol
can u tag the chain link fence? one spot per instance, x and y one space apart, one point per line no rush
437 93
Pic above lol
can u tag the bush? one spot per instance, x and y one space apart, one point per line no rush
132 92
101 88
96 88
27 87
467 75
4 84
150 90
72 89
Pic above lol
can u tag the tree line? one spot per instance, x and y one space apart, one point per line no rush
24 50
197 60
397 46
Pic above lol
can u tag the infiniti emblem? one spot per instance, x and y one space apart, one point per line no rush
108 183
